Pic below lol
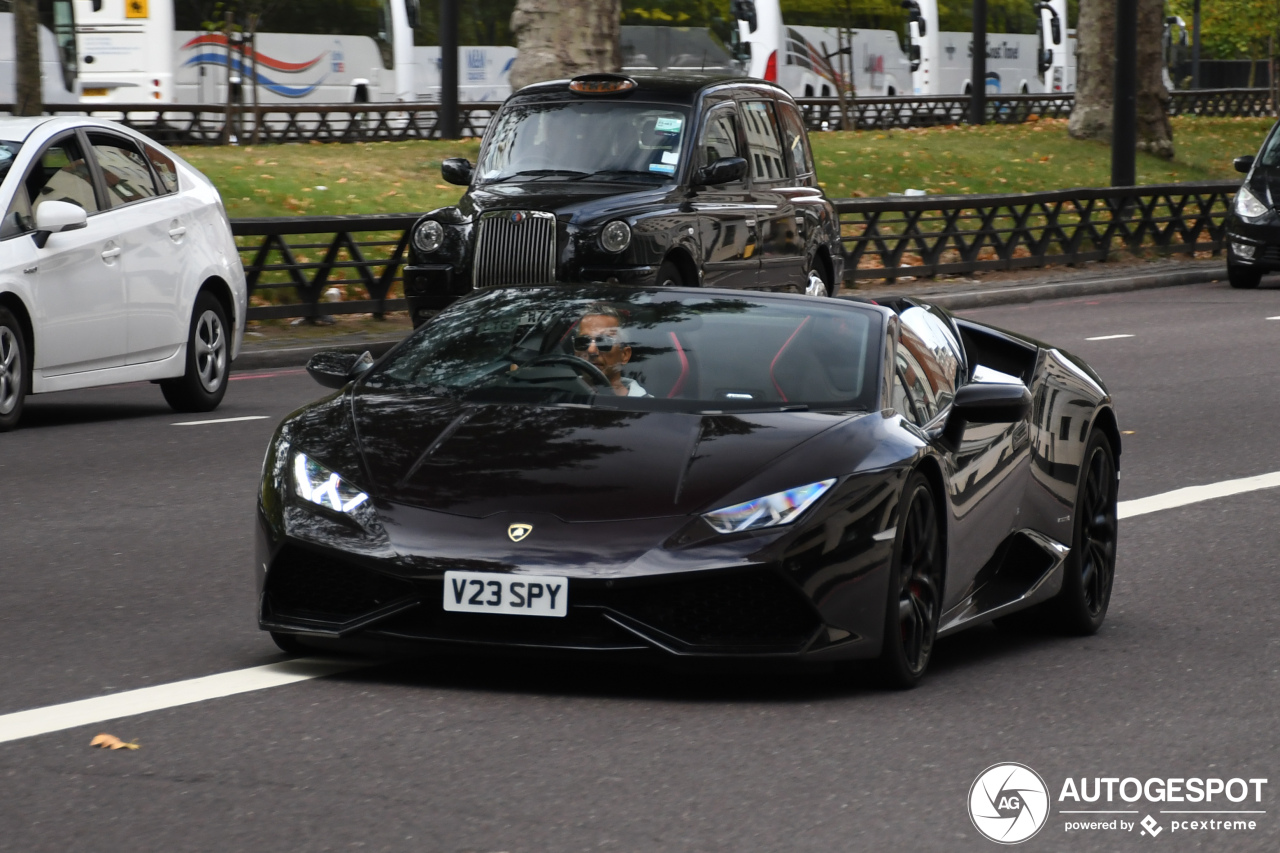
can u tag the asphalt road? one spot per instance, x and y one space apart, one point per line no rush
125 559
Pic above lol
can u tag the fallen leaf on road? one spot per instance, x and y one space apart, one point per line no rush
105 741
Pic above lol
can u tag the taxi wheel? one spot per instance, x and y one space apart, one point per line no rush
203 385
816 283
669 275
14 370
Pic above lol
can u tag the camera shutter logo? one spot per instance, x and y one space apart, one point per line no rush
1008 803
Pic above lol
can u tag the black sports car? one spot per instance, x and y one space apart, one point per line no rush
691 472
1253 226
641 180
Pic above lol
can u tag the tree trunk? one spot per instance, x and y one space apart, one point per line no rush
26 36
1096 69
564 38
1155 134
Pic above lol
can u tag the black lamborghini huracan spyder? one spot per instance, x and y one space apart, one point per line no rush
691 473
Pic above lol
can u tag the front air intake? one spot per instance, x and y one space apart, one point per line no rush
515 247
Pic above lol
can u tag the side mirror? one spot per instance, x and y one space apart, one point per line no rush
1243 164
413 12
1056 29
723 171
456 170
54 217
1046 60
334 369
985 403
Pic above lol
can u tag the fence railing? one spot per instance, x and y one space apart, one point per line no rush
297 260
202 124
888 238
291 264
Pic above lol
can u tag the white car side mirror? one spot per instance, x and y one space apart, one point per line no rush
53 217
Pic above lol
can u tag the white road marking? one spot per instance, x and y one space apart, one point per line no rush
221 420
1273 318
1108 337
56 718
1196 494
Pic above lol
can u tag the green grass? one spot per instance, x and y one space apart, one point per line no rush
402 177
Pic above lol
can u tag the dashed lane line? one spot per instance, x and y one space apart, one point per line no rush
1108 337
55 718
221 420
1196 494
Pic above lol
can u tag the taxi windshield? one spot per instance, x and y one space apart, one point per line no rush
643 349
599 140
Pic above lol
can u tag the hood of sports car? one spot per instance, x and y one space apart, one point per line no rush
578 464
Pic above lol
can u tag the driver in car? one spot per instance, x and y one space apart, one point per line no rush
599 340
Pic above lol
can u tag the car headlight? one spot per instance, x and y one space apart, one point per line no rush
1247 204
315 483
428 237
769 511
616 236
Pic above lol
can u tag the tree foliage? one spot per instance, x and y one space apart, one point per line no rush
1234 29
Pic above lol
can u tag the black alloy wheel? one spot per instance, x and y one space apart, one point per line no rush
15 370
1243 278
915 588
204 383
1090 568
669 275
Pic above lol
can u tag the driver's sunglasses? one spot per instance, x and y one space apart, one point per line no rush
604 343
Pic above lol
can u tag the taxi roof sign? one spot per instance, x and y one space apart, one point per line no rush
601 84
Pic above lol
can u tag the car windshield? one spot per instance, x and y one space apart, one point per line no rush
601 140
8 153
643 349
1270 156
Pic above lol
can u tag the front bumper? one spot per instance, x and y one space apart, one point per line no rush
1254 245
717 605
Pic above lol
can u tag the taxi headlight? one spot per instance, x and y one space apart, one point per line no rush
616 236
768 511
428 237
1248 205
315 483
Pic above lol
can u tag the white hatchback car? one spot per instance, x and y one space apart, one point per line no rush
117 264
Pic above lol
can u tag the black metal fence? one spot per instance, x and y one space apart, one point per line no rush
889 238
202 124
294 265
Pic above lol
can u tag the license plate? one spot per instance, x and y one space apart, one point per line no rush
94 93
516 595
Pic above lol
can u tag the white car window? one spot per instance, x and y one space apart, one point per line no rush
165 168
127 175
62 174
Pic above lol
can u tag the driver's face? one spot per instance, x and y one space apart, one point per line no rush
599 326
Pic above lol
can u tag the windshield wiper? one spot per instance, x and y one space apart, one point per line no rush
540 173
627 173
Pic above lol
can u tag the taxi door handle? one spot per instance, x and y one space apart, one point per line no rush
178 232
108 254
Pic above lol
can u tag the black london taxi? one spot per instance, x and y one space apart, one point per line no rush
669 181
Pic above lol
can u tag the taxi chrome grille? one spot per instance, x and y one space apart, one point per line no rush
515 247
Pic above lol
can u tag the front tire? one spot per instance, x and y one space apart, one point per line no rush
915 588
203 385
1243 278
14 370
817 281
669 275
1089 572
